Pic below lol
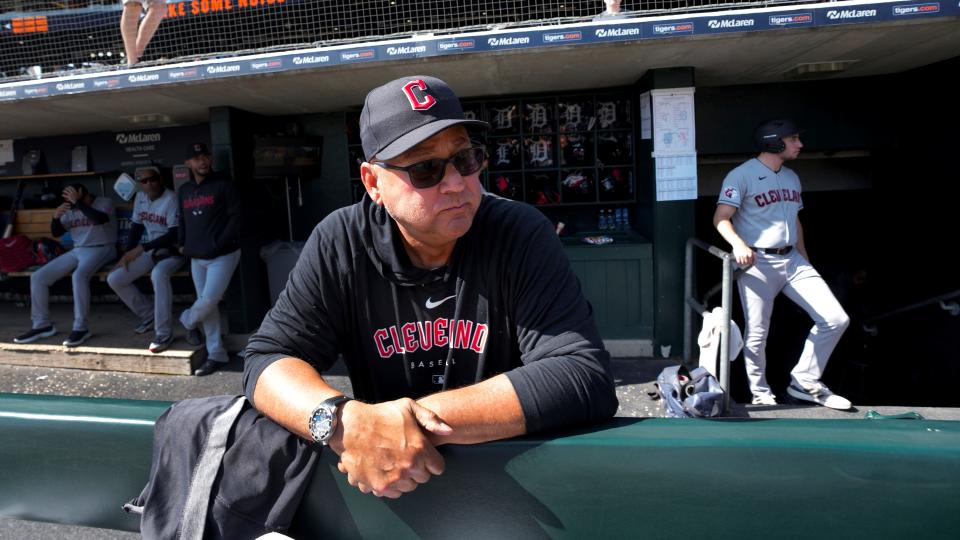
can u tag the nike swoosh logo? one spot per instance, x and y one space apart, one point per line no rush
431 304
761 178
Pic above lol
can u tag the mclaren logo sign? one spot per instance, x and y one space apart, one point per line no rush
845 14
718 24
617 32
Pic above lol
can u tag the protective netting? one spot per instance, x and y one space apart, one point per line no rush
41 37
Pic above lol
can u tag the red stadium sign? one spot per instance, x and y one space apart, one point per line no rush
204 7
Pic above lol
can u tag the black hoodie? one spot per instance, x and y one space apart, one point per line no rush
508 302
209 223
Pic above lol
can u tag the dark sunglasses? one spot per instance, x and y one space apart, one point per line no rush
428 173
146 179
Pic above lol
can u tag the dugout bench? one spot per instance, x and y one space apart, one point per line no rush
77 460
35 224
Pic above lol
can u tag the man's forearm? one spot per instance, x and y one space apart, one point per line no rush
726 230
289 389
287 392
486 411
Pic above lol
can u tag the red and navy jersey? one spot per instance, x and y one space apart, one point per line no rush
507 302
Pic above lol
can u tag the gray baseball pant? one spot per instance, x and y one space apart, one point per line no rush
211 277
84 263
801 283
121 281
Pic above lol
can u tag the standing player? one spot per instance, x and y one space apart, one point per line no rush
209 234
90 221
757 215
154 214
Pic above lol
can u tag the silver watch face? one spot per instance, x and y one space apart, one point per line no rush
322 424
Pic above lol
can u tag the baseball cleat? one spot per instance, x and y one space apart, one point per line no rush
144 327
821 395
161 344
194 337
208 367
764 399
77 338
35 334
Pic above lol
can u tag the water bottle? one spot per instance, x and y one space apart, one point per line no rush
618 219
626 219
602 221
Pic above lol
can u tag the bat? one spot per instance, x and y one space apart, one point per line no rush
8 230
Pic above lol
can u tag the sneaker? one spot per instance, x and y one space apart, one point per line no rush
820 395
77 337
144 327
35 334
194 337
207 367
764 399
160 345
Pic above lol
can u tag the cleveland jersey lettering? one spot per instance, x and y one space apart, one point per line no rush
156 216
776 196
425 335
199 201
767 204
149 217
87 233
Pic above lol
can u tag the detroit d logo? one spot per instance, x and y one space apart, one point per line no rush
416 92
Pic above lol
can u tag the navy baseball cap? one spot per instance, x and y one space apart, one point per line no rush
197 149
407 111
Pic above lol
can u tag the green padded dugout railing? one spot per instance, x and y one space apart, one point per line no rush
76 460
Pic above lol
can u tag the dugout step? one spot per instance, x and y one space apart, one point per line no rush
180 359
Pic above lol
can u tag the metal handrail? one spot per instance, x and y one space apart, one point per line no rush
930 301
691 303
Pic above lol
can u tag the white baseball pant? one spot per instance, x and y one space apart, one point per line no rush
121 281
211 277
801 283
84 263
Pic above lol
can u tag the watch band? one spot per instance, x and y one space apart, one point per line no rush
323 419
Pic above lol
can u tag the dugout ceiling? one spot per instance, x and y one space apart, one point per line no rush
719 59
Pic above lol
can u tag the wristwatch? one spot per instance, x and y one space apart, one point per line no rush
323 419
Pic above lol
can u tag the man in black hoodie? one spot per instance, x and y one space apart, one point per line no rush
208 232
456 312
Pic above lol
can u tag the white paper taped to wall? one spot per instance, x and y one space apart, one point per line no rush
676 177
6 150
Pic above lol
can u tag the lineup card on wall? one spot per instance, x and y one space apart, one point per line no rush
6 151
674 144
676 177
673 122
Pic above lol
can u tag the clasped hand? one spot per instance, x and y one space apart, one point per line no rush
384 448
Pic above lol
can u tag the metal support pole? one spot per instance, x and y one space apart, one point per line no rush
726 304
687 293
286 191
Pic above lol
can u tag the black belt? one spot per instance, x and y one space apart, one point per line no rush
773 251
